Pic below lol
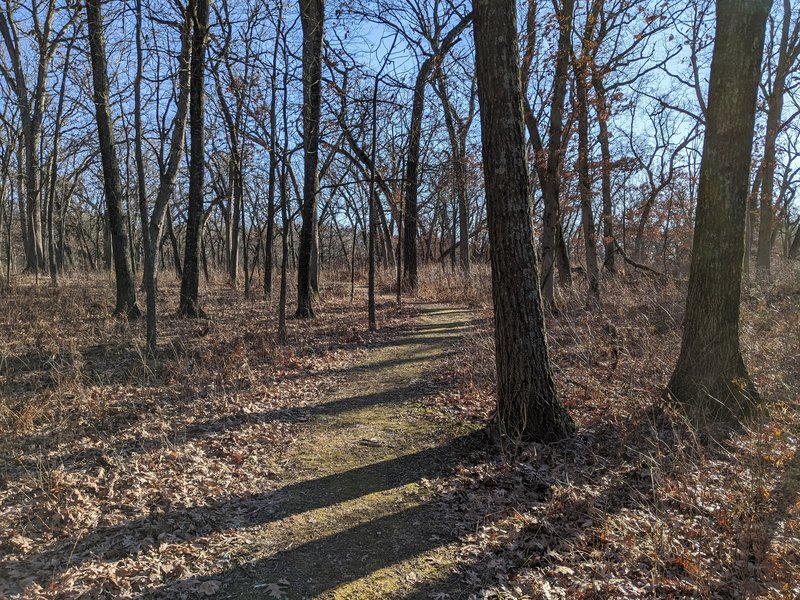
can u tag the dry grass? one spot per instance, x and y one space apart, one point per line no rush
639 504
100 443
97 438
447 285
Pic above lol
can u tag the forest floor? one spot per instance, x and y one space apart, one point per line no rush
353 465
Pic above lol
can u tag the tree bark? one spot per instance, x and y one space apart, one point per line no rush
154 224
794 250
312 17
51 199
551 185
710 377
527 405
126 290
458 160
585 182
411 209
604 135
273 156
190 282
774 120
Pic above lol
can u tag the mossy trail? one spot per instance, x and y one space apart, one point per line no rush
353 521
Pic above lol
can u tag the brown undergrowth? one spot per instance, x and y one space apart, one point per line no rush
97 438
638 504
121 474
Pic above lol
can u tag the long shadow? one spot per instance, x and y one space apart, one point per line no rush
429 352
327 563
206 429
786 494
195 431
131 537
90 458
214 427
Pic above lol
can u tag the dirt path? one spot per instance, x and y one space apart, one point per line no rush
355 523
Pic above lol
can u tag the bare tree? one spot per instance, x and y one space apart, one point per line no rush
190 282
527 405
312 17
788 54
126 290
152 225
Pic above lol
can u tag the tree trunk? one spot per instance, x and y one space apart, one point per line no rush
285 224
458 160
794 250
153 226
750 216
774 119
603 109
312 16
190 282
527 405
710 377
126 289
585 184
273 156
552 181
411 208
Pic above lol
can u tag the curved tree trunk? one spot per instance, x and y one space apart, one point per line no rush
126 290
154 225
190 281
410 209
551 186
774 120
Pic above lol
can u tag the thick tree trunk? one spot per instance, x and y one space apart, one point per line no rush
710 377
126 289
190 282
312 17
411 208
527 405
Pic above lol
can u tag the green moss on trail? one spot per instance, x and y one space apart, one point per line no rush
354 522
